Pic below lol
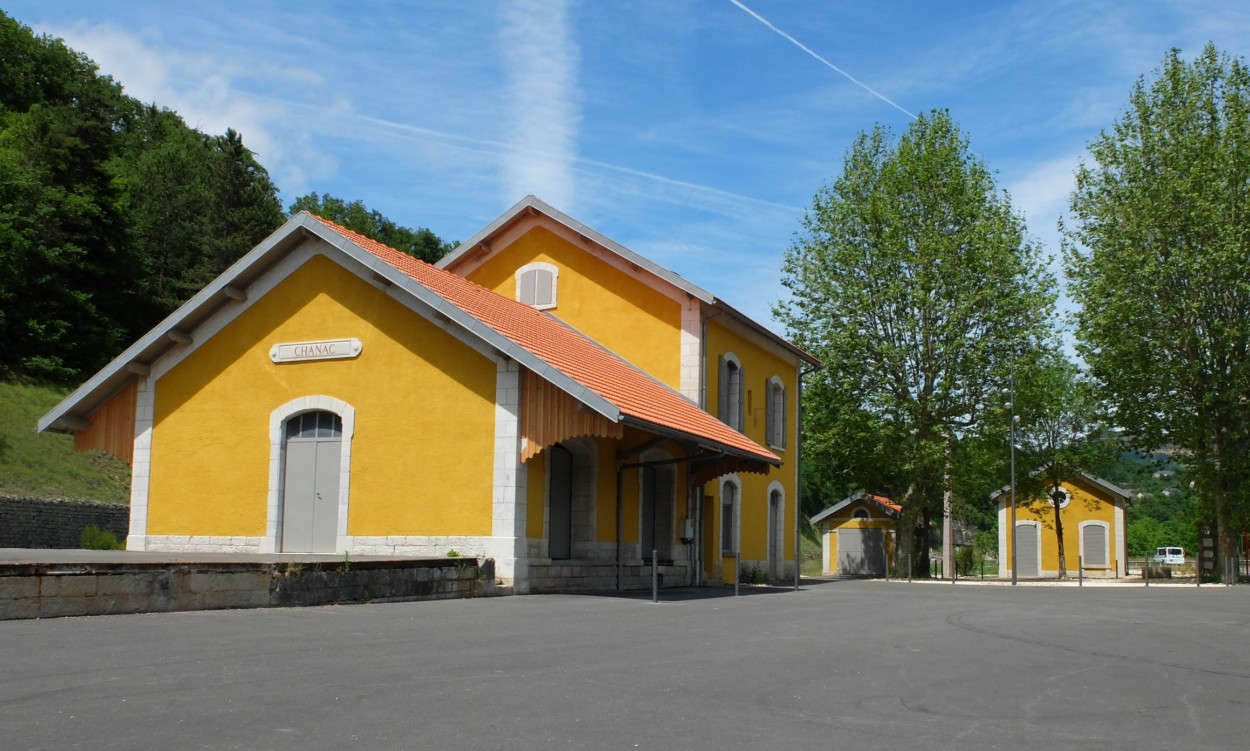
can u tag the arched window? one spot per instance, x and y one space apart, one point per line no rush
730 397
860 513
536 285
775 406
318 424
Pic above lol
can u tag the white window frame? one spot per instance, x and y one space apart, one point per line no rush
775 413
531 273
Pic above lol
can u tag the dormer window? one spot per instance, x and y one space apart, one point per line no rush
536 285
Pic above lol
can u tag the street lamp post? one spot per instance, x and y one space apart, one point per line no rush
1011 405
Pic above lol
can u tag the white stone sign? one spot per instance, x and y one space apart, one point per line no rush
326 349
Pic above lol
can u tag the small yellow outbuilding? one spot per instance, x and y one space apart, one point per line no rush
1092 516
857 535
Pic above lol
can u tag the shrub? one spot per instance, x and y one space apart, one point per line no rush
94 538
752 575
966 560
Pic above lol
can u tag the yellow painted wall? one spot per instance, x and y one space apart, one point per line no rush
1086 505
758 365
608 305
424 438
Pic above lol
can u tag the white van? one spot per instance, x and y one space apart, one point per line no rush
1170 556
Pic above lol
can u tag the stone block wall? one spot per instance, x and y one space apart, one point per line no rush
40 523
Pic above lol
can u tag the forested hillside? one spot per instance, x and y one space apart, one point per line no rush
112 213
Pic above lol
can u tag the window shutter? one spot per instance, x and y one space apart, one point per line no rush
782 433
722 390
1095 547
741 422
543 287
526 286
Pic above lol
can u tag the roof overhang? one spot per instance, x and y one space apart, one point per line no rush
861 496
72 413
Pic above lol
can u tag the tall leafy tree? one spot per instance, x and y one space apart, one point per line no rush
1158 260
64 262
419 243
916 285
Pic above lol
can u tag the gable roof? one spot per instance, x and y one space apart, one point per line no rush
547 347
1114 491
887 507
639 399
532 206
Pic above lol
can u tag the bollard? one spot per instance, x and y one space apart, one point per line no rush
1145 569
655 579
1080 571
909 567
737 573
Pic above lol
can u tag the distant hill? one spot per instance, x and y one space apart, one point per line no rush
45 465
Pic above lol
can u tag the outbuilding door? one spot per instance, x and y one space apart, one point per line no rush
310 489
1027 543
861 552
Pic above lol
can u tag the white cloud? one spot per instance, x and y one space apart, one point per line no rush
204 90
542 113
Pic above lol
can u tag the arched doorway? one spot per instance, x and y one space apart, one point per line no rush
311 456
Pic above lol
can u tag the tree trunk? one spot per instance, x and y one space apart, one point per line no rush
1063 563
948 532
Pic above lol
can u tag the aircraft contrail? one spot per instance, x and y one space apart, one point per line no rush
822 60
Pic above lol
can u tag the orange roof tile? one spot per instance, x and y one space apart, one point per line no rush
884 501
636 394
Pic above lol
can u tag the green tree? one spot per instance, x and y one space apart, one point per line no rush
419 243
65 292
915 284
1157 260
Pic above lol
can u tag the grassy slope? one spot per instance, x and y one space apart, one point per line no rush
46 465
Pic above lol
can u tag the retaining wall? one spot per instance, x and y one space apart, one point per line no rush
41 523
48 590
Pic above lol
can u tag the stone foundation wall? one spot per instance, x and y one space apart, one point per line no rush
39 523
50 591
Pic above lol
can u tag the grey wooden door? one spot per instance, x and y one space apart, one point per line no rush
1026 550
656 512
310 495
560 505
861 552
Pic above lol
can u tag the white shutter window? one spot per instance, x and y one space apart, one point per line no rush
536 285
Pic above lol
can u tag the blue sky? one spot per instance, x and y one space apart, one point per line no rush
695 133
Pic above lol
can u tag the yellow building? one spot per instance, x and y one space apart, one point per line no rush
1092 515
857 535
537 400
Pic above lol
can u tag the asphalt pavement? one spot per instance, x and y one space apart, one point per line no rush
848 664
